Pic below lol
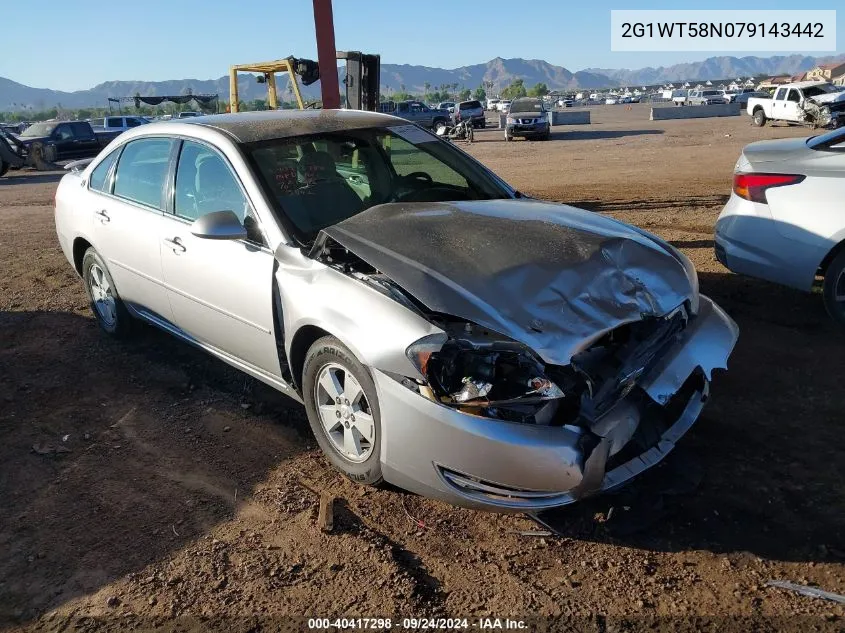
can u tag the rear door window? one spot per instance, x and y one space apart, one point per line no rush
82 131
100 180
142 171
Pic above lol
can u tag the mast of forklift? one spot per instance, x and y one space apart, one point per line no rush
326 53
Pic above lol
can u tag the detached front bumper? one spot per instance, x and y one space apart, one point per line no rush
489 464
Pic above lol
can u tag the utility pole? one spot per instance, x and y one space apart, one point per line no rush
326 53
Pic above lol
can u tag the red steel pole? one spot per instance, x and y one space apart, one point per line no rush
326 53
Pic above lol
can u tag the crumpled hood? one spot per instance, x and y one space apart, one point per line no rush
550 276
829 97
27 140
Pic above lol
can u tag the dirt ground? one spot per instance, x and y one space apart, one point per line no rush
147 485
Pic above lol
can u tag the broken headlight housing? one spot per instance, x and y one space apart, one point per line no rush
482 373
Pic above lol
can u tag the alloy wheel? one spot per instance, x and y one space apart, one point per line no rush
344 412
102 296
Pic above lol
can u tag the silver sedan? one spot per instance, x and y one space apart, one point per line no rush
443 332
784 221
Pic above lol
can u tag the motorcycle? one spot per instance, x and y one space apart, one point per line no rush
461 131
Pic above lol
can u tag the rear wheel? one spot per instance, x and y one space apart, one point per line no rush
759 118
833 289
109 310
342 405
4 167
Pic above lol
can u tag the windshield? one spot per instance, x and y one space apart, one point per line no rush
710 93
39 129
529 105
831 139
320 180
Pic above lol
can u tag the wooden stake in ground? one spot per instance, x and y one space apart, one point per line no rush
325 519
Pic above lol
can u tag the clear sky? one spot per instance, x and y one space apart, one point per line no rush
75 45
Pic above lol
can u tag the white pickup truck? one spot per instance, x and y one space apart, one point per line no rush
816 102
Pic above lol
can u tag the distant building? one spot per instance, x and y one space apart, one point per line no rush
774 82
826 72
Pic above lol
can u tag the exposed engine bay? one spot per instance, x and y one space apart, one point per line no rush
479 373
822 113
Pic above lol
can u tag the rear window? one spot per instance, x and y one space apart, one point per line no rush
835 139
470 105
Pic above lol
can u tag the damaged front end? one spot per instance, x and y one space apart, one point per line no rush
822 114
565 361
626 398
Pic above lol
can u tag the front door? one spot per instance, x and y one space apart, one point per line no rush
127 217
221 291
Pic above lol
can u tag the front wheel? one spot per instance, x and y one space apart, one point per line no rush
4 167
342 405
759 118
833 289
109 310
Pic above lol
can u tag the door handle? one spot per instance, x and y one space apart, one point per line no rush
104 217
175 244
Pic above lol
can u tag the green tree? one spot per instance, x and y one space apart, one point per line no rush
464 94
427 87
515 90
480 93
540 90
258 104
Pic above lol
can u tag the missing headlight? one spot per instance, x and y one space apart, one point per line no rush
481 373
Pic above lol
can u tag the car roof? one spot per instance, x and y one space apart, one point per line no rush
251 127
803 84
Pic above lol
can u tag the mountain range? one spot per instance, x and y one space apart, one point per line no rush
395 77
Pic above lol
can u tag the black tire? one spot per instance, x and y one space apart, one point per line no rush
120 326
483 124
759 118
437 123
4 167
508 137
834 284
324 352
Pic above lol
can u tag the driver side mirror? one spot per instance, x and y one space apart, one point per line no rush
219 225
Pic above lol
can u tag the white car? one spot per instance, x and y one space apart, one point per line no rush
491 104
503 105
611 100
784 220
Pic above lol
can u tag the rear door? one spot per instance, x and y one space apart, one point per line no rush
779 104
84 139
126 205
221 291
791 110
